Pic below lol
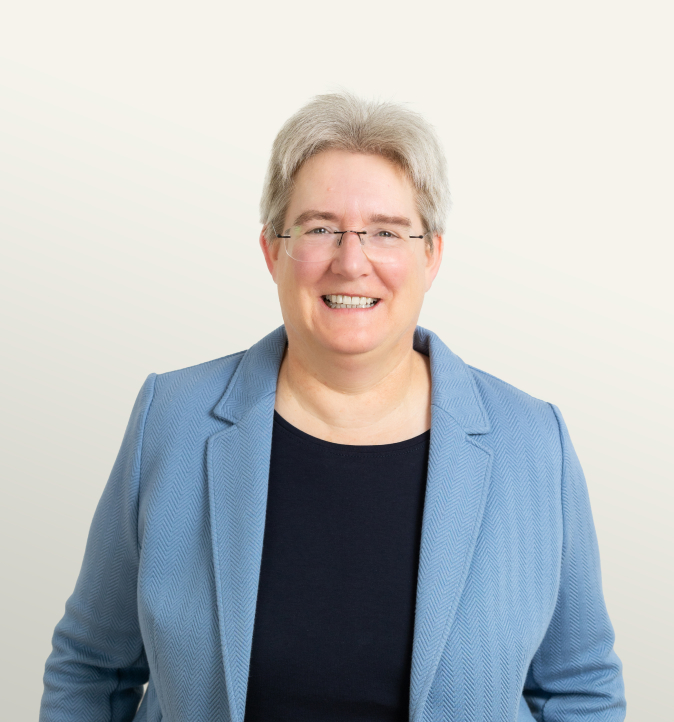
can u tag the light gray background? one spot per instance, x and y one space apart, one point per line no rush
133 143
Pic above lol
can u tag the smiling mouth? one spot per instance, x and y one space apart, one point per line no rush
341 301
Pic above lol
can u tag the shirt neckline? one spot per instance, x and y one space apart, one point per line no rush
351 448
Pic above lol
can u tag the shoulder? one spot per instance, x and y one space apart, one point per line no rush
207 372
194 389
513 412
496 389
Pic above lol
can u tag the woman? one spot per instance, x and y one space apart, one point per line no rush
346 521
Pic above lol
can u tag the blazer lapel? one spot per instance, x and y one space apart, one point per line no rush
238 473
456 490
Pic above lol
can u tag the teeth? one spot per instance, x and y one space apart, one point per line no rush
350 300
341 301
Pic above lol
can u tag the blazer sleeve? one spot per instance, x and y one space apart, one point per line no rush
575 675
98 665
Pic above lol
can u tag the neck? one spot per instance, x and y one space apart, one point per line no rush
355 398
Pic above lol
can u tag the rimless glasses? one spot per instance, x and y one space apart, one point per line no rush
314 243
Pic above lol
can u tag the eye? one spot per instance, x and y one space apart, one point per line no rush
386 234
319 231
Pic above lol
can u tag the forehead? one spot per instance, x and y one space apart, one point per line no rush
343 182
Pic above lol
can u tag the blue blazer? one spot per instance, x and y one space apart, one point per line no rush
510 620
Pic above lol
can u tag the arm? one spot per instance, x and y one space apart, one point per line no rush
575 675
98 666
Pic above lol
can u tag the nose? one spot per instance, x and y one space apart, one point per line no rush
350 258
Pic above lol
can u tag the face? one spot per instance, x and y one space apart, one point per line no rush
352 188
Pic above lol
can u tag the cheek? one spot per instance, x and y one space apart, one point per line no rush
403 280
298 280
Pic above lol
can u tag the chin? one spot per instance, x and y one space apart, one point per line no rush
353 341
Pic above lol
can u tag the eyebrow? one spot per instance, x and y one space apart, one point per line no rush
314 215
391 220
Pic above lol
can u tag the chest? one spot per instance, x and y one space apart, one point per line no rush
336 596
491 526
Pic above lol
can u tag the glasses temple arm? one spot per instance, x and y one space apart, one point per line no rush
276 233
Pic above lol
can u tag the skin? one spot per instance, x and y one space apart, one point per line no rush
351 376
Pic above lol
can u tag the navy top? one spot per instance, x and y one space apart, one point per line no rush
334 621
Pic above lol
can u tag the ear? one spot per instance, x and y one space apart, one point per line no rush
433 260
270 252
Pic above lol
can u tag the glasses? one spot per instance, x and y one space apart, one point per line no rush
312 243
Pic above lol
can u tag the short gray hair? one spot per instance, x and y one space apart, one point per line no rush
345 122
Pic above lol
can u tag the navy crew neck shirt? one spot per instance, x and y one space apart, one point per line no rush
334 622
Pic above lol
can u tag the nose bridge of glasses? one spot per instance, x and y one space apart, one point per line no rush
361 235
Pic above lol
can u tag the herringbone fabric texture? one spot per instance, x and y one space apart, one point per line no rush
510 622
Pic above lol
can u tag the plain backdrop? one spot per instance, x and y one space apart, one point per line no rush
134 138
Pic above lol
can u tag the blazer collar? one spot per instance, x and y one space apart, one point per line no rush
255 377
453 387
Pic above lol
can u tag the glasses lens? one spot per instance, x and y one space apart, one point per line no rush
382 245
312 243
